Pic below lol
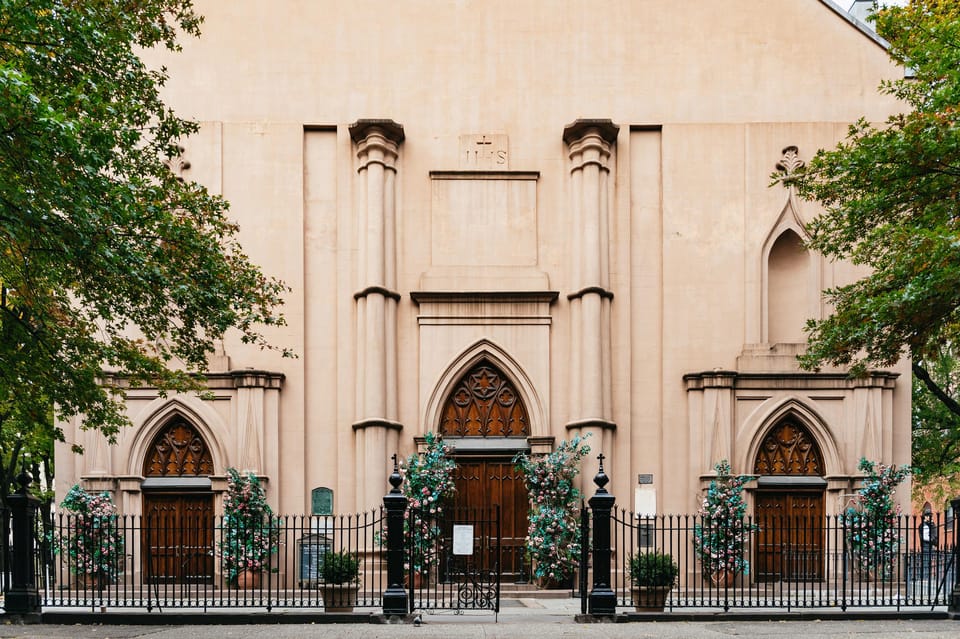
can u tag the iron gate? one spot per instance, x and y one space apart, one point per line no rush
453 560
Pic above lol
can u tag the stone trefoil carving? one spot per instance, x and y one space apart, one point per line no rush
790 164
177 164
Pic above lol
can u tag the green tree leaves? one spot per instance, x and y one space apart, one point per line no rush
892 202
108 261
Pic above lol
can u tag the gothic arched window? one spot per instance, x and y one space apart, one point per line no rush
788 449
484 403
178 450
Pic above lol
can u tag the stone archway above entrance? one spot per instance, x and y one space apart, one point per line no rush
788 449
484 403
203 418
456 374
763 421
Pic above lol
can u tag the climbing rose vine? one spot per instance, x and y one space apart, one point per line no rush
720 537
428 484
90 535
251 533
870 522
553 536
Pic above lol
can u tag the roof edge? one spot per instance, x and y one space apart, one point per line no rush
865 29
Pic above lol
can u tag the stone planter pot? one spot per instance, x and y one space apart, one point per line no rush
550 583
418 580
92 581
650 598
339 597
249 579
723 578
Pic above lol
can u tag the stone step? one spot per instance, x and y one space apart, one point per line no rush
511 592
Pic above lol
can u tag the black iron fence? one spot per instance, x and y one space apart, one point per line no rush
184 561
454 559
5 538
368 561
784 562
669 562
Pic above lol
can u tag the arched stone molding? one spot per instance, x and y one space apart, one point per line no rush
788 222
789 219
486 349
159 412
759 423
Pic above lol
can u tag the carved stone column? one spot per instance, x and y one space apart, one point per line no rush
590 143
376 425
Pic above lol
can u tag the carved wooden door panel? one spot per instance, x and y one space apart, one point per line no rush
485 482
789 544
178 537
486 406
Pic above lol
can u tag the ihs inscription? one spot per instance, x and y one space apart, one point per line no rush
484 152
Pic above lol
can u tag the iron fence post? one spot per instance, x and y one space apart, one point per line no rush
603 601
395 600
954 606
23 597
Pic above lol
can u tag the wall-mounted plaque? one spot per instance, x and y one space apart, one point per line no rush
321 501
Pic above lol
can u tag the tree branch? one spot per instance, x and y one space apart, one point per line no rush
938 392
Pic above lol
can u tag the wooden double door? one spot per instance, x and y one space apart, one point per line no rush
178 537
789 544
487 481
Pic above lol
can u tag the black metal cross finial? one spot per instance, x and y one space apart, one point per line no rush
395 478
601 479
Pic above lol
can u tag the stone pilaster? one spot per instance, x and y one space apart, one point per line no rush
376 426
590 143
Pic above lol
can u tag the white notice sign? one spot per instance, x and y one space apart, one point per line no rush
462 540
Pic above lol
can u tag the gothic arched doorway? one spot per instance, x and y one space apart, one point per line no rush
178 506
789 505
485 420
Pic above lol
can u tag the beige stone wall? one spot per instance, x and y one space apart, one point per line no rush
668 240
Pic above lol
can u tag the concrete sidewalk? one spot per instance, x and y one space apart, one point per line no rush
480 627
513 610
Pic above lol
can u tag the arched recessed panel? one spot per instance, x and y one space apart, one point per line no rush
788 285
178 450
789 449
484 403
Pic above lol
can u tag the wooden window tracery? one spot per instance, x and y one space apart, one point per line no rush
486 404
178 450
788 449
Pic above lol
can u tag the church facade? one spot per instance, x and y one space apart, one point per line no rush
513 223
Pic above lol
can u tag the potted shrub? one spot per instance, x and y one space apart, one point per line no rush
553 535
91 538
720 537
340 574
653 575
251 534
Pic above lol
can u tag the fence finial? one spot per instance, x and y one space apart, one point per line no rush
24 480
601 479
395 478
